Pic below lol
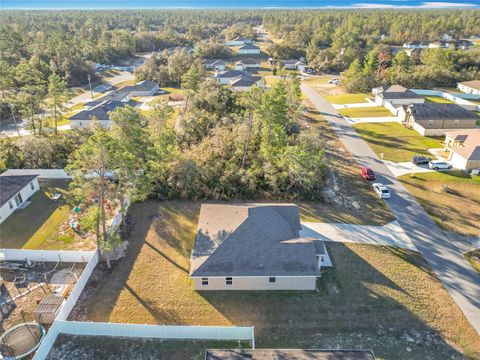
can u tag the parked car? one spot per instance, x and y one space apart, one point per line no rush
439 165
419 160
381 190
334 81
367 173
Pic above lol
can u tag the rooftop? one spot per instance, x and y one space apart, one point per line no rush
145 85
99 111
288 354
213 61
436 111
227 74
398 92
251 240
11 185
249 47
247 61
470 143
243 82
474 84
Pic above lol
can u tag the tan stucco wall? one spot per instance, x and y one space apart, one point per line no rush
257 283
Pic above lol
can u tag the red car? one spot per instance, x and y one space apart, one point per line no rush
367 173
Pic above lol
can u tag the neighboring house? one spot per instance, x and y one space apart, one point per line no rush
440 44
226 77
214 64
464 148
394 96
116 95
411 52
463 44
249 49
254 247
288 354
247 64
14 192
244 83
143 88
415 45
470 87
432 119
99 111
238 42
292 64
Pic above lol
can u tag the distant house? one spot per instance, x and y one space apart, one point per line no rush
469 87
15 191
464 148
238 42
249 49
247 64
415 45
411 52
244 83
439 44
432 119
254 247
292 64
288 354
394 96
100 112
143 88
214 64
239 80
463 44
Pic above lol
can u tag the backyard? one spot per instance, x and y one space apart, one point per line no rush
41 224
459 209
438 100
396 142
382 298
374 111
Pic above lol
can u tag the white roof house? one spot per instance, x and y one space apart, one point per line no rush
469 87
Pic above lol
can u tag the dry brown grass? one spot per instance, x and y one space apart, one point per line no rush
375 297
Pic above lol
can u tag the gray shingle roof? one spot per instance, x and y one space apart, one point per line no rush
434 111
290 354
228 74
100 111
11 185
407 94
249 47
145 85
243 82
251 240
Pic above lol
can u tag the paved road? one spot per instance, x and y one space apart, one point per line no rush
439 248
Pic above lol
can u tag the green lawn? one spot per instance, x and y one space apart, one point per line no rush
396 142
375 297
374 111
458 210
347 98
438 100
39 225
317 80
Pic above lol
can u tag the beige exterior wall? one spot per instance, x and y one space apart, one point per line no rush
438 128
258 283
461 163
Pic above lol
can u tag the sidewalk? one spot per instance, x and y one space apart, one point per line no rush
391 234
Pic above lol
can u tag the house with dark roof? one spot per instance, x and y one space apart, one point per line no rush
142 88
432 119
463 148
15 190
238 42
99 111
254 247
395 95
288 354
247 64
214 64
292 64
239 80
249 49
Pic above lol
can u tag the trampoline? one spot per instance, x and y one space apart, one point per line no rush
21 340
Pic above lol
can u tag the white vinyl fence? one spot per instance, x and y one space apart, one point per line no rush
42 173
45 255
143 331
458 99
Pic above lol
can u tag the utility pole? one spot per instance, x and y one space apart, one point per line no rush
90 85
14 120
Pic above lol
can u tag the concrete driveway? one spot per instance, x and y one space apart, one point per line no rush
438 247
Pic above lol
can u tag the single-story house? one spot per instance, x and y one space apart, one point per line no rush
432 119
288 354
415 45
394 96
238 42
214 64
99 111
142 88
14 191
254 247
464 148
120 95
440 44
249 49
247 64
292 64
244 83
469 87
227 76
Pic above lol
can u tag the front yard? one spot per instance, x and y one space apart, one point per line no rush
458 210
374 111
382 298
40 224
347 98
396 142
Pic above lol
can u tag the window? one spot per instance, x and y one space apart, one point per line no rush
204 281
18 199
430 122
228 281
32 186
272 279
456 122
10 204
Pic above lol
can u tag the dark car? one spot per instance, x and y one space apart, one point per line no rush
367 173
419 160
